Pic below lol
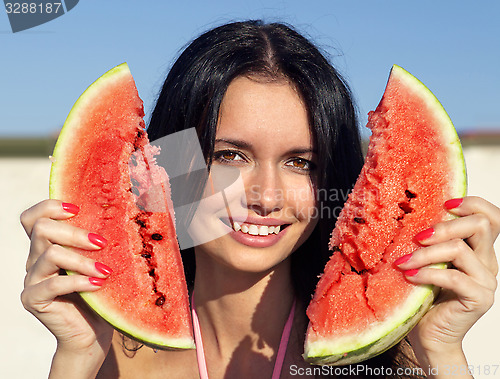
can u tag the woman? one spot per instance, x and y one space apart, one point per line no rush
266 102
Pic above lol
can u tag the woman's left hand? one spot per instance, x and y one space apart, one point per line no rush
467 288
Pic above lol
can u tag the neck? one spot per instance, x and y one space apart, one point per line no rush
240 309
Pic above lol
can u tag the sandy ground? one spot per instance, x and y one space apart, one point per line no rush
26 347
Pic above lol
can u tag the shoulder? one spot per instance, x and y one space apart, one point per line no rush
131 360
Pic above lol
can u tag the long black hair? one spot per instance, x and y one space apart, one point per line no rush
197 82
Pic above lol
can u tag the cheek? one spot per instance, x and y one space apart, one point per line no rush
224 189
303 202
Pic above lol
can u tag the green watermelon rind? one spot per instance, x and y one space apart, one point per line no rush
353 349
153 340
70 129
156 341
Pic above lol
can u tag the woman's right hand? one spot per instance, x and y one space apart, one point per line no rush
51 297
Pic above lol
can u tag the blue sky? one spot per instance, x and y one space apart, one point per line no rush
452 46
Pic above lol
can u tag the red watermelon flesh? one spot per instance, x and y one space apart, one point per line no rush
363 304
146 296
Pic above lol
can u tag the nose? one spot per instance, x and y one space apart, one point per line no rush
264 190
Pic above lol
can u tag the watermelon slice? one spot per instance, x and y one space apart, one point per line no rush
146 295
363 305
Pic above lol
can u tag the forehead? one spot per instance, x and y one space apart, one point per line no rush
266 112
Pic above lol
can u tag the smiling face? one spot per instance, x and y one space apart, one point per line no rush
264 135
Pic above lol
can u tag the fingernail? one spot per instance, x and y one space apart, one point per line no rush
425 234
411 272
103 269
96 281
71 208
403 259
453 203
97 240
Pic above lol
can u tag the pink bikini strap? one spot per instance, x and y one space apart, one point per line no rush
200 353
285 336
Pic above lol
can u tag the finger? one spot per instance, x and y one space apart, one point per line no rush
475 228
54 209
38 297
475 205
57 257
472 296
46 232
456 252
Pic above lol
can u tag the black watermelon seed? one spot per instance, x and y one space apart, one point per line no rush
160 301
157 237
359 220
405 207
152 272
146 255
141 223
410 195
361 272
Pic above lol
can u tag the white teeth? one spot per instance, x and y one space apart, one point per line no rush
256 230
236 226
263 230
253 230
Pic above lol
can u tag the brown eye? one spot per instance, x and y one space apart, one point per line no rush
227 156
301 164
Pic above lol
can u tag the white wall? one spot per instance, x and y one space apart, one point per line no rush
480 345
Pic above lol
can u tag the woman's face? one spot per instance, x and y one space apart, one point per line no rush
263 135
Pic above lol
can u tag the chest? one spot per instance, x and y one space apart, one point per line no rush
125 363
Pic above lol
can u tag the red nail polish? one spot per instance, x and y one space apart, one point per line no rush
96 281
453 203
103 269
412 272
97 240
425 234
71 208
403 259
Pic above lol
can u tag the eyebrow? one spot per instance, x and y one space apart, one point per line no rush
245 145
237 143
